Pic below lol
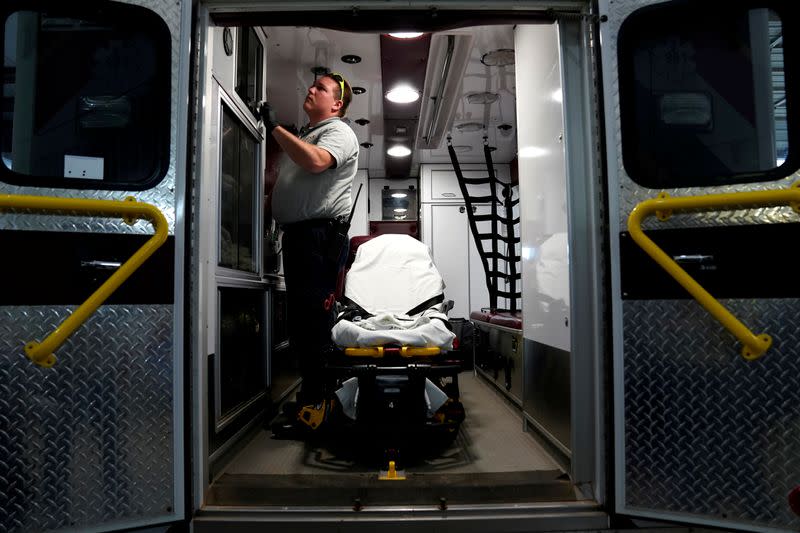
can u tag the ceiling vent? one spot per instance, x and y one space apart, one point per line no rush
470 127
482 98
502 57
447 61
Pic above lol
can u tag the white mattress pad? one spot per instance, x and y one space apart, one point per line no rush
392 274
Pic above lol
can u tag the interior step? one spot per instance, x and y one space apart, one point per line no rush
367 489
556 516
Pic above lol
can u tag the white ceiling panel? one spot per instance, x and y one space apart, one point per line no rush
292 53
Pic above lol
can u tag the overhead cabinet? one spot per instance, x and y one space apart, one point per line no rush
438 182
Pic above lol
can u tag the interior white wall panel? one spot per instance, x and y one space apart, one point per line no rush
542 184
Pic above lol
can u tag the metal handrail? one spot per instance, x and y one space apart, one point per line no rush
754 345
130 211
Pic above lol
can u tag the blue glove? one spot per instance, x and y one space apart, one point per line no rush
265 112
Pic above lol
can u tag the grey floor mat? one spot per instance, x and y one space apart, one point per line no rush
491 440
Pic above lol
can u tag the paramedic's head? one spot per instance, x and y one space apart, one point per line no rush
327 97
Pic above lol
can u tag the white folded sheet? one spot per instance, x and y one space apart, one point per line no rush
424 330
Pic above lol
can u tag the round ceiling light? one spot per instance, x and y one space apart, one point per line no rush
399 195
467 127
498 58
403 94
359 90
367 144
400 210
406 35
399 151
482 98
351 59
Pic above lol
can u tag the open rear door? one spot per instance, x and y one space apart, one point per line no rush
91 231
700 105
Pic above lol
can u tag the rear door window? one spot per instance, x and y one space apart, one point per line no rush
86 96
705 94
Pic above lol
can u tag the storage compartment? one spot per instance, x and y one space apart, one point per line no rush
438 183
464 352
498 358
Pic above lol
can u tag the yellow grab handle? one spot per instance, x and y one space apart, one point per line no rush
364 352
378 351
411 351
130 211
754 345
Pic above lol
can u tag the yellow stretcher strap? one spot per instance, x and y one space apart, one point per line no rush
380 351
130 211
754 345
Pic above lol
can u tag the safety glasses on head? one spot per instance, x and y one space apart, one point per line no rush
340 80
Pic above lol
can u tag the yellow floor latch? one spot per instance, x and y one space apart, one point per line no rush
392 473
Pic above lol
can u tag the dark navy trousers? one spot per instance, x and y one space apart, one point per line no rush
311 268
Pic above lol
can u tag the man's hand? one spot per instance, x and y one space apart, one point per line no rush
267 114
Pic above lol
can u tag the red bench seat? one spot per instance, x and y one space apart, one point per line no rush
502 318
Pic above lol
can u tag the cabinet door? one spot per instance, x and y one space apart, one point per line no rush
449 241
438 182
444 184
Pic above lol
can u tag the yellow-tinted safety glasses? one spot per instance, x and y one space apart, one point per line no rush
339 78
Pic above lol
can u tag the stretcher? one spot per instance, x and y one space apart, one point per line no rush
391 374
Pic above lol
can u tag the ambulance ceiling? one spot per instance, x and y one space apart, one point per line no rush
480 90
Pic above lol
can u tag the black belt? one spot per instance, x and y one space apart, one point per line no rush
309 224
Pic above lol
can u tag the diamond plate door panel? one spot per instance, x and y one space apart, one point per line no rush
703 436
706 432
89 441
